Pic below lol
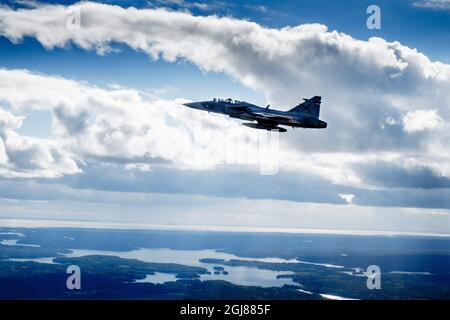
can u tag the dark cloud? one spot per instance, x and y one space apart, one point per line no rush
410 198
229 183
74 122
392 175
238 182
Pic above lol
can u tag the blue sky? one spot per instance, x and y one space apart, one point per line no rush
381 163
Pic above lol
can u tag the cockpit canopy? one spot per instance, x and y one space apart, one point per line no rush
229 101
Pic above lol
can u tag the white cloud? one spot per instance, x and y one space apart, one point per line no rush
30 157
187 5
145 167
433 4
259 8
419 120
347 197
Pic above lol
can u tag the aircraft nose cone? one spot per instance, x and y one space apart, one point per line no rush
189 104
195 105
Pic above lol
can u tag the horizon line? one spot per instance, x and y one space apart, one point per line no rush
118 225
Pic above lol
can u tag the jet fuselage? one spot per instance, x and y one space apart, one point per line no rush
266 118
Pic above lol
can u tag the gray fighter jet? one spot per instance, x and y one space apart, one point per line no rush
304 115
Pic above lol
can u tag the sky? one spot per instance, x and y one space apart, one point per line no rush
93 130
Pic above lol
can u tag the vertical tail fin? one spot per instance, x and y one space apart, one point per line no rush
311 106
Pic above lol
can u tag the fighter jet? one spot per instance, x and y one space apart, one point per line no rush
304 115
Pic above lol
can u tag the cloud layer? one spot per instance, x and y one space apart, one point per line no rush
115 124
387 105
